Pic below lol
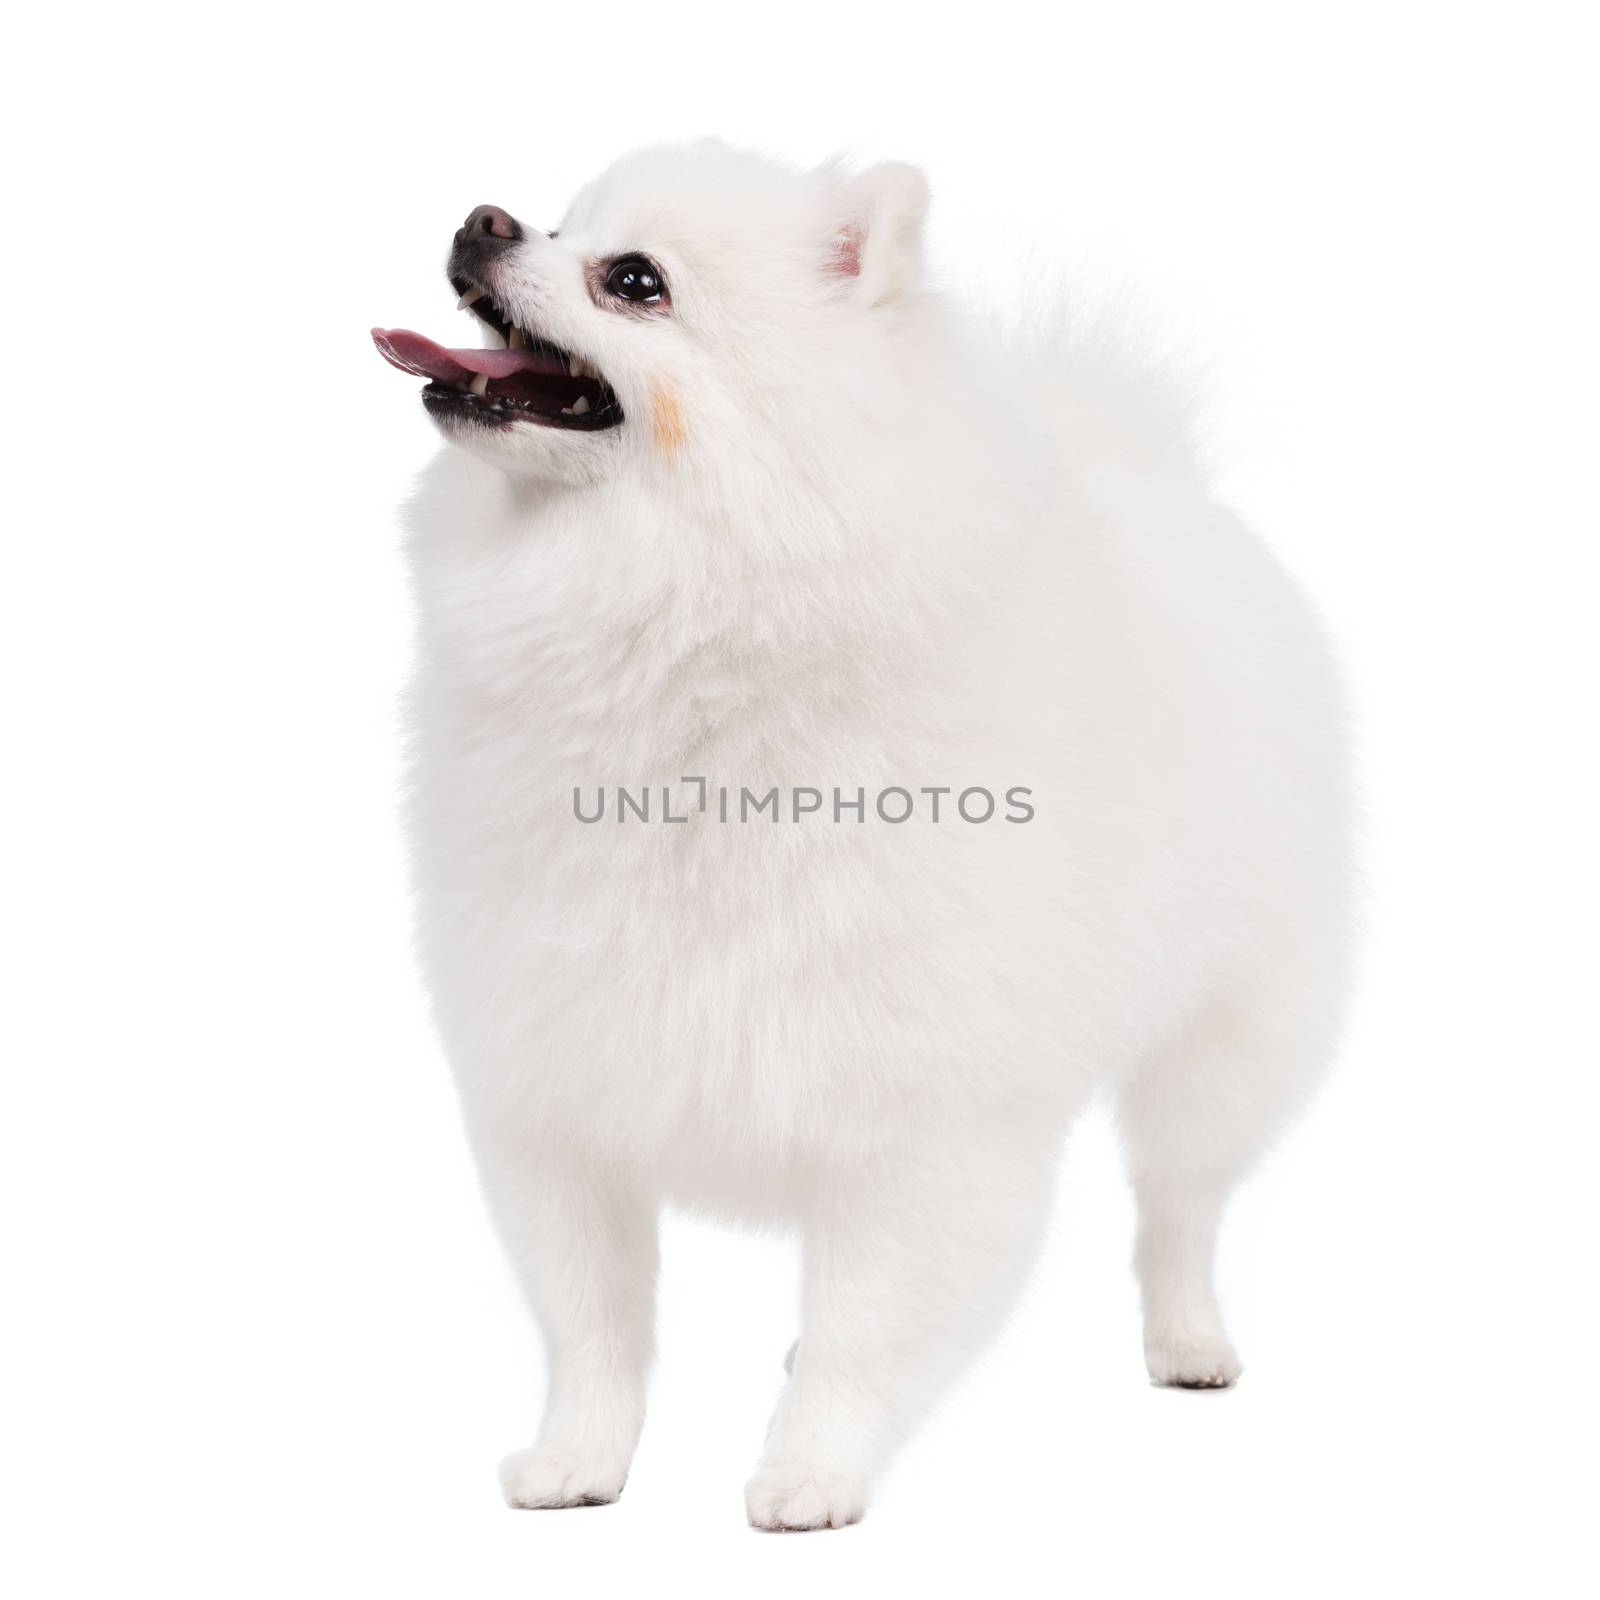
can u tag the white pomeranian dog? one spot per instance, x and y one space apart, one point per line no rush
844 743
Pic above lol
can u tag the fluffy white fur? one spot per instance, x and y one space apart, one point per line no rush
846 539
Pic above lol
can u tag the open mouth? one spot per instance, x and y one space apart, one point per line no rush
532 379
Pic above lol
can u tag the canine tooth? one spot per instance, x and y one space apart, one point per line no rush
566 411
480 383
467 299
580 405
574 367
518 339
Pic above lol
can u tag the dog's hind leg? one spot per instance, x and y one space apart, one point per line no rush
1195 1119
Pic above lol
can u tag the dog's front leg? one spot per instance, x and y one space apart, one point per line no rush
583 1241
911 1262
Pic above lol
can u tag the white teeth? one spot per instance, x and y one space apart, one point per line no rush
574 367
566 411
580 405
480 383
467 299
518 340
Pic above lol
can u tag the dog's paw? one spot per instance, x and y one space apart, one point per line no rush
795 1497
1193 1361
551 1480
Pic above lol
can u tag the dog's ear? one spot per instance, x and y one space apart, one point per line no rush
878 242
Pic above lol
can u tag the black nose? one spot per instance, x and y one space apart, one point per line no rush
489 222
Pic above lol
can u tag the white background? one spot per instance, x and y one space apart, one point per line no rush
259 1341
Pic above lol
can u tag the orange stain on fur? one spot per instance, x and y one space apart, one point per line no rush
666 418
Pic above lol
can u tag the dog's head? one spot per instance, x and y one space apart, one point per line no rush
693 299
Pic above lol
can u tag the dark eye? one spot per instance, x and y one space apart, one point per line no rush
634 278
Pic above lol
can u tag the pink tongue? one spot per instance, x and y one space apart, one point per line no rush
412 353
